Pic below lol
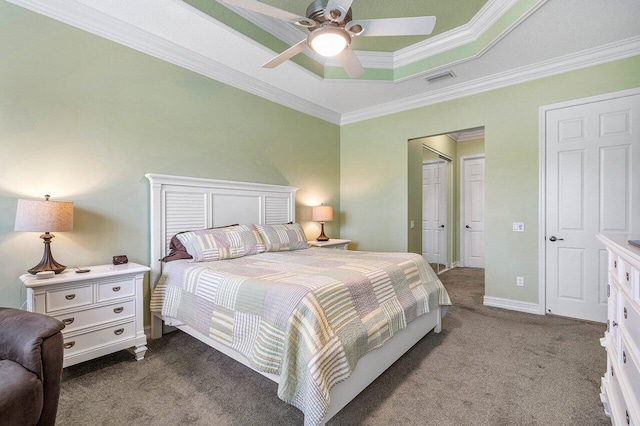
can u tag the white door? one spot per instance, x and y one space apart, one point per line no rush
473 212
592 161
434 212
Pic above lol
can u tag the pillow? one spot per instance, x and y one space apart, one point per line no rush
222 243
177 250
283 237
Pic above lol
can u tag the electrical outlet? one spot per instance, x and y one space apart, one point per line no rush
518 226
520 281
412 224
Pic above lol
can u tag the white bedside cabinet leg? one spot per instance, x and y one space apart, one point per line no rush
139 351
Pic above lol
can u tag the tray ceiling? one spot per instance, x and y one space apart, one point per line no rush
505 42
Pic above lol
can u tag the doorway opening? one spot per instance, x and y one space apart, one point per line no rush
437 219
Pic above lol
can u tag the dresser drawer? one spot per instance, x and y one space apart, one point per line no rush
612 307
613 264
624 274
68 297
630 321
115 289
617 405
631 370
95 316
93 339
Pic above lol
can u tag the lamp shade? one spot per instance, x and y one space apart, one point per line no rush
44 216
322 213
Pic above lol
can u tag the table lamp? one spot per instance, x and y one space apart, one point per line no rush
45 216
322 214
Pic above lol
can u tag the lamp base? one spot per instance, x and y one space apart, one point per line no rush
322 236
47 263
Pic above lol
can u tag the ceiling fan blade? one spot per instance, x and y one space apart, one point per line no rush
351 63
287 54
272 11
336 10
419 25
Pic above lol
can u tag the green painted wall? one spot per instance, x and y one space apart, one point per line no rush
83 119
374 192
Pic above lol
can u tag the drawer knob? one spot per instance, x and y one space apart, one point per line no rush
625 313
116 288
118 331
68 321
70 296
624 357
118 310
615 324
69 345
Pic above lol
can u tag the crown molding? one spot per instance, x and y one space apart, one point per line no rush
103 25
467 135
456 37
586 58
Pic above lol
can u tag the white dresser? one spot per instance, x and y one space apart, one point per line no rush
101 309
621 382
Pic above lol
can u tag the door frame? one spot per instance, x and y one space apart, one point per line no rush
461 204
542 181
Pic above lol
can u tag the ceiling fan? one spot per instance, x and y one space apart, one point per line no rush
331 29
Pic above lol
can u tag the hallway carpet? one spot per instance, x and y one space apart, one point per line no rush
488 367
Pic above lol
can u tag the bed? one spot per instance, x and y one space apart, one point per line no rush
321 323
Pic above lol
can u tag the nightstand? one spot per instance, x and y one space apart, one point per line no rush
334 244
101 309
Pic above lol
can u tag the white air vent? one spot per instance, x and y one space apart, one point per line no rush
438 77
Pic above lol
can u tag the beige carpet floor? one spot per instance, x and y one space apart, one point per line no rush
487 367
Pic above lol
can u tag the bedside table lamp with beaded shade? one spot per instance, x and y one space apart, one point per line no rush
45 216
322 214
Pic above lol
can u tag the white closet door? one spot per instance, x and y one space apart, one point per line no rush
592 161
434 212
473 212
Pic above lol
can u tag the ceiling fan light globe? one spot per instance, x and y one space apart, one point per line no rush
329 42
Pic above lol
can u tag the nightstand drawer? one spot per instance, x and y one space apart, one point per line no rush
94 339
69 297
115 289
95 316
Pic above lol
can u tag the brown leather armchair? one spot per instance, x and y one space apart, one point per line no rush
31 355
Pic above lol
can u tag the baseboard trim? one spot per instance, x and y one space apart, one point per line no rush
513 305
455 264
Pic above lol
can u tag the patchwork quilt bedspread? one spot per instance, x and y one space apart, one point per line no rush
306 315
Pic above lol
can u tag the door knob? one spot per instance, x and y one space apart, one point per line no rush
441 226
467 226
553 238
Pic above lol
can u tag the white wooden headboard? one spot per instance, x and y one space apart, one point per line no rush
181 203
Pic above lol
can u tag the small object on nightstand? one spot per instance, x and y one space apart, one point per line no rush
120 260
82 271
331 243
43 275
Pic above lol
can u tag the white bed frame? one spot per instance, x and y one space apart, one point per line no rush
183 203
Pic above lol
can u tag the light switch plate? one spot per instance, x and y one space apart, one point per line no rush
518 226
412 224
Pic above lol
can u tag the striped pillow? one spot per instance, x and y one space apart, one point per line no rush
283 237
222 243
